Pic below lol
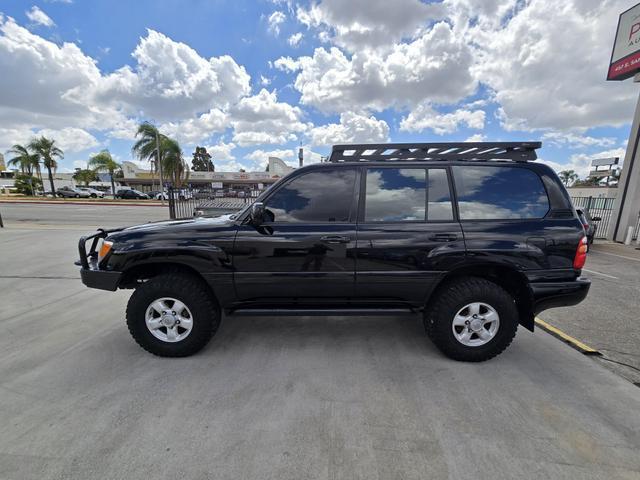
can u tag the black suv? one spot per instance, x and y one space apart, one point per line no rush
476 236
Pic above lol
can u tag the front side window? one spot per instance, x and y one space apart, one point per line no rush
407 195
499 193
320 196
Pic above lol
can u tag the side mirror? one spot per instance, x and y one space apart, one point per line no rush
257 213
596 219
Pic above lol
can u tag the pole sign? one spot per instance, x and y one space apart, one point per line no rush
625 58
601 162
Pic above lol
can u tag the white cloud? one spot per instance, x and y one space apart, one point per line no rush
357 24
353 128
476 137
172 80
69 139
194 130
261 119
572 140
425 117
435 66
264 81
294 40
221 151
276 19
286 64
547 63
38 17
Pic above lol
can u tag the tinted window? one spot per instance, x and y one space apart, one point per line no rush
322 196
499 193
400 195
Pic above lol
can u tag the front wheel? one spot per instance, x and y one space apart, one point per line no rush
172 315
472 320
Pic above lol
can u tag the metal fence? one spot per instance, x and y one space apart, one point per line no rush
186 202
598 207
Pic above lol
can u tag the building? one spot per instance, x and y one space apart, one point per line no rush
595 192
143 180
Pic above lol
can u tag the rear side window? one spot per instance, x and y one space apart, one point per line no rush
407 195
314 197
499 193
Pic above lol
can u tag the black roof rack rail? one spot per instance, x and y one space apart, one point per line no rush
376 152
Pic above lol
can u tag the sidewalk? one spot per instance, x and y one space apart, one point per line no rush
620 249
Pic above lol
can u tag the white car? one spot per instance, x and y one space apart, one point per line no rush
161 196
93 193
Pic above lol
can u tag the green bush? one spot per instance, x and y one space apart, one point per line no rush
26 184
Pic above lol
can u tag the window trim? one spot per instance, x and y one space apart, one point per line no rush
363 195
354 198
510 220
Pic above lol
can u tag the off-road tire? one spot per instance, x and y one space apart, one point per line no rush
194 294
454 296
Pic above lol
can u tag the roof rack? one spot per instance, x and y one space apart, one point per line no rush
376 152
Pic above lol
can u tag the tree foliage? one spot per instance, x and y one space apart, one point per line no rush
47 152
27 184
568 177
104 162
201 161
85 175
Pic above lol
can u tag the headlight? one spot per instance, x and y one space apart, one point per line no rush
104 250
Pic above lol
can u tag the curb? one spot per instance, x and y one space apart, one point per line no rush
53 202
568 339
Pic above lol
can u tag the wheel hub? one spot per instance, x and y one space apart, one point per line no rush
476 324
169 320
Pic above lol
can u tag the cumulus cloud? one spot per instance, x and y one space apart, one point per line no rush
434 66
38 17
353 128
222 151
360 24
262 119
425 117
573 140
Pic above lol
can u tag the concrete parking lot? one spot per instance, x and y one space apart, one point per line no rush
281 398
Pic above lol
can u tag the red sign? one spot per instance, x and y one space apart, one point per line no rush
625 68
625 57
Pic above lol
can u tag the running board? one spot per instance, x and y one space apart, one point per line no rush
321 311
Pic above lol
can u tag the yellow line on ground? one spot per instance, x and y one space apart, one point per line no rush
574 342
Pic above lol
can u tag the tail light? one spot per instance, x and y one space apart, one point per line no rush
581 254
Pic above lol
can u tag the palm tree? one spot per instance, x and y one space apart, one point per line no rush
47 151
172 161
104 162
148 147
568 176
27 161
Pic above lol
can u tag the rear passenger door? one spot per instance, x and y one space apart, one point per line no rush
502 210
408 235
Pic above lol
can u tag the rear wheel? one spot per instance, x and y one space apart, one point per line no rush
172 315
472 320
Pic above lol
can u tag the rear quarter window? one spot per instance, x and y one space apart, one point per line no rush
499 193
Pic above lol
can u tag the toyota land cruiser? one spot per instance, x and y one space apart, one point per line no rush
477 237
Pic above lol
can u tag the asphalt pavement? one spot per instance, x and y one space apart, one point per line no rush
279 398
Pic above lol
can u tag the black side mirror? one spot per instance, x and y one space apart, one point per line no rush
257 213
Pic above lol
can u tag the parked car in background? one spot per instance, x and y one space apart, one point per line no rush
132 195
159 195
588 223
476 237
93 193
71 192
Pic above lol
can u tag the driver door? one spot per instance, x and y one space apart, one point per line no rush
305 248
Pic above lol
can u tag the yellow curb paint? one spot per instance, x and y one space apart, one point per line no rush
574 342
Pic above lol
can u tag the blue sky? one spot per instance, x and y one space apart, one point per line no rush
253 78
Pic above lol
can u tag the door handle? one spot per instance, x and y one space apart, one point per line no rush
334 239
443 237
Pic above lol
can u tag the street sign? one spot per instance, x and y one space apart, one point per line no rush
625 57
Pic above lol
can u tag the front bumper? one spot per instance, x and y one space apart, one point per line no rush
102 279
559 294
90 272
